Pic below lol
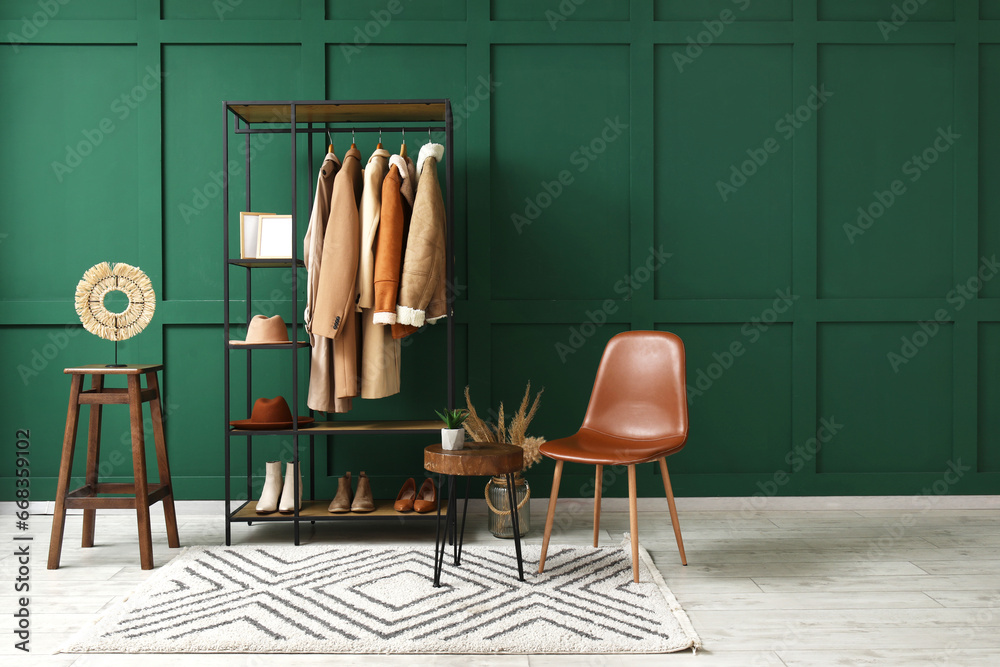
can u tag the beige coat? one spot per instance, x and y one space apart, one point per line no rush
370 213
335 316
381 353
422 290
322 394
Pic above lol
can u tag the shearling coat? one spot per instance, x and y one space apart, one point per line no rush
422 290
335 316
322 394
397 207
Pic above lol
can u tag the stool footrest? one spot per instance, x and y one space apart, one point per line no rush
86 496
112 396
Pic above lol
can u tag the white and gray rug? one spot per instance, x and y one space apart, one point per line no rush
356 599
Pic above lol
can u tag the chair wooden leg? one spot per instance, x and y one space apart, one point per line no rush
673 509
598 483
163 465
556 478
633 521
65 472
93 461
139 472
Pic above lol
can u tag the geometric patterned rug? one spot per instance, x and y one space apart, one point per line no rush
355 599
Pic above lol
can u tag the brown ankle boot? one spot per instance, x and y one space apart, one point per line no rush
363 501
341 503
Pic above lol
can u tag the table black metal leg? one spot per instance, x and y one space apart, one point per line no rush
452 507
515 524
465 512
438 542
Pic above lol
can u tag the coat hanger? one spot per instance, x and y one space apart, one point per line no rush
329 148
402 149
379 139
353 145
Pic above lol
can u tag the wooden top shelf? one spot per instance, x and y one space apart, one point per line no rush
341 112
266 263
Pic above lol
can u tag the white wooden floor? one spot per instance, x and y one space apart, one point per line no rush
796 588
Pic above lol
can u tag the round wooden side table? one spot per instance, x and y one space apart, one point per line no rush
476 459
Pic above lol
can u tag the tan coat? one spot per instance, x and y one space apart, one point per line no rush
422 290
335 316
322 394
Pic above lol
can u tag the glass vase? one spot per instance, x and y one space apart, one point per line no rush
498 505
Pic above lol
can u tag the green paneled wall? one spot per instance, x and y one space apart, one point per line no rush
682 165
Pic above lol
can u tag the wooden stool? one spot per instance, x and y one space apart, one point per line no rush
474 460
144 494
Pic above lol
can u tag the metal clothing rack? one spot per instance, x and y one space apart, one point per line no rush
312 117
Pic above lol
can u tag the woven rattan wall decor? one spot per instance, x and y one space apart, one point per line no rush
103 279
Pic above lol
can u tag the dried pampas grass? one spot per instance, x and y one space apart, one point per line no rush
104 278
516 433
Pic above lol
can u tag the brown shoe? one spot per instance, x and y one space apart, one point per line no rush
363 501
427 498
341 503
404 501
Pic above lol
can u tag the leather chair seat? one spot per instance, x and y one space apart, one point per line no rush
593 447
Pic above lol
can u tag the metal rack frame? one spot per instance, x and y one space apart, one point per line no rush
363 116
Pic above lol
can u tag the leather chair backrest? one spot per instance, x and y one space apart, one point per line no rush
640 391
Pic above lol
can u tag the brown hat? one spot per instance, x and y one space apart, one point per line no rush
270 414
264 331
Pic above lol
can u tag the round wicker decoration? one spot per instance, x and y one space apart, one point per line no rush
104 278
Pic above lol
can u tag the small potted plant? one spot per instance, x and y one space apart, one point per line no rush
453 435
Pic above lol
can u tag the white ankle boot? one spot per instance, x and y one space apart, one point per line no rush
268 502
287 505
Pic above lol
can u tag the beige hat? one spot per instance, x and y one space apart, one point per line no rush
265 331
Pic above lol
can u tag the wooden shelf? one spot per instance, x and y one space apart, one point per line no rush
266 263
345 426
360 111
315 510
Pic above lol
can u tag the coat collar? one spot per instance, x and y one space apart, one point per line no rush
353 153
379 153
435 151
330 157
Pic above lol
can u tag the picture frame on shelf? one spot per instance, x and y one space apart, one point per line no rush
274 237
249 225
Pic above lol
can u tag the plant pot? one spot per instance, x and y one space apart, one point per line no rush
498 503
452 438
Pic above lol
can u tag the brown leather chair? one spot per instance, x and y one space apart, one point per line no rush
637 414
